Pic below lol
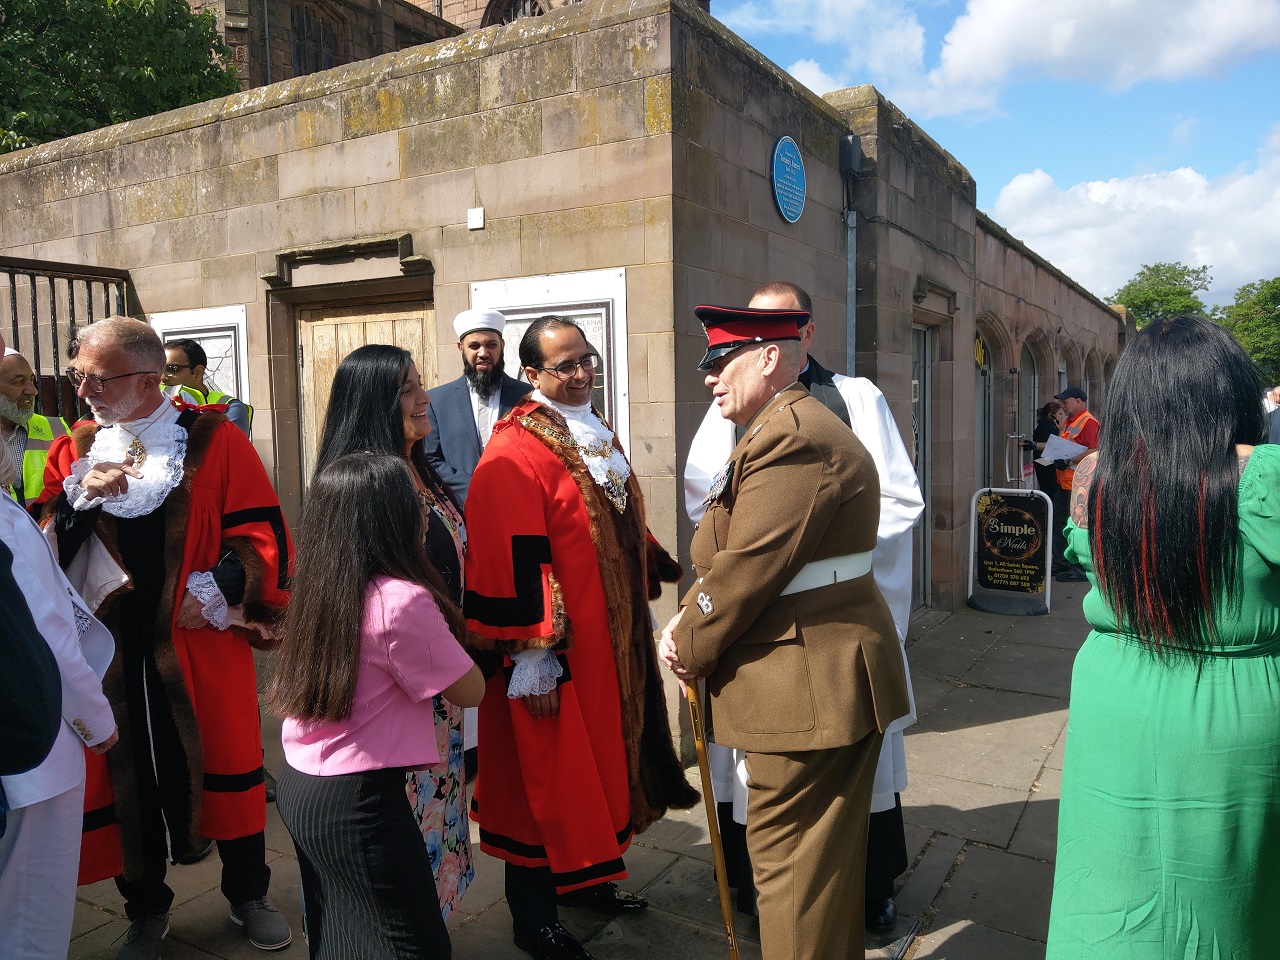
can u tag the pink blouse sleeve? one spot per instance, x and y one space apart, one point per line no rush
422 654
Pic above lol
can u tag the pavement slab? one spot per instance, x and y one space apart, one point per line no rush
1026 668
1037 833
1000 890
950 938
975 811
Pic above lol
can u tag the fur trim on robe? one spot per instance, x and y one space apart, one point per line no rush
112 833
655 774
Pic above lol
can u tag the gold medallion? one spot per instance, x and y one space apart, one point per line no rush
138 452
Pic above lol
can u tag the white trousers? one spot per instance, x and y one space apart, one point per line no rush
39 859
729 775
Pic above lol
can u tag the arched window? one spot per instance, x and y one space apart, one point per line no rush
507 11
1028 391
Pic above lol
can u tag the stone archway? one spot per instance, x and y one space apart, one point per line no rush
995 398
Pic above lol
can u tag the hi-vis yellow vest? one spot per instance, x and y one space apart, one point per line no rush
217 396
41 432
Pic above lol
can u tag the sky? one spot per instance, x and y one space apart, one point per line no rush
1104 134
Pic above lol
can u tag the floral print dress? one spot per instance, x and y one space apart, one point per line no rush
438 793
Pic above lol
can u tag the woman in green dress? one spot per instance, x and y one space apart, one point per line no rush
1169 822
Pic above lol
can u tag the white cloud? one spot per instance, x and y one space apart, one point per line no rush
1101 232
1113 43
814 77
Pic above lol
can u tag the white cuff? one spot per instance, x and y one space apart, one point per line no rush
77 496
535 673
212 603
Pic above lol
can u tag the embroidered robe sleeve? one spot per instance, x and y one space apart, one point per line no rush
510 602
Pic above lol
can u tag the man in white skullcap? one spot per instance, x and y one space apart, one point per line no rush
462 413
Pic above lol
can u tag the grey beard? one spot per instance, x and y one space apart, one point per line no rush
484 382
13 413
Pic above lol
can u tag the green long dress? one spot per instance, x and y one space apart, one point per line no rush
1169 824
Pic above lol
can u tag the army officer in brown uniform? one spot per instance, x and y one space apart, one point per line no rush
786 623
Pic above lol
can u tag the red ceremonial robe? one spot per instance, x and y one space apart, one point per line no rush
224 502
543 540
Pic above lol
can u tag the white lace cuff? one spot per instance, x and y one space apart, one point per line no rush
77 496
212 603
535 673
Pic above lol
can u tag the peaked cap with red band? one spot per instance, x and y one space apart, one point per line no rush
729 328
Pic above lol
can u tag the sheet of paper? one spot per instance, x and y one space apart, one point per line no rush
1056 448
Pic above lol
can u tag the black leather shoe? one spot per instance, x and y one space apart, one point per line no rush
1074 575
881 916
604 897
551 943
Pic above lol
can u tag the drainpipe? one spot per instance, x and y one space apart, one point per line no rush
850 166
266 39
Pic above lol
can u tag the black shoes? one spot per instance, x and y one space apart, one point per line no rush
881 916
604 897
1073 575
551 943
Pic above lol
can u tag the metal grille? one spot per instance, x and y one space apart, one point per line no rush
42 304
509 11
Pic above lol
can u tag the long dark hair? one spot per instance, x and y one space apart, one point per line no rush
361 520
1162 508
364 411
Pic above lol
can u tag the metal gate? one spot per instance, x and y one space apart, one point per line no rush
42 304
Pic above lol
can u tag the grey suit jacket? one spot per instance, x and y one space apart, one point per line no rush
453 445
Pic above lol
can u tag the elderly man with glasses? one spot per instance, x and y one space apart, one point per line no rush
175 503
575 752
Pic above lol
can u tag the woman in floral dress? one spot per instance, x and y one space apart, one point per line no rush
378 403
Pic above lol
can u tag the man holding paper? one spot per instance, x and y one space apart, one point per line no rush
1080 428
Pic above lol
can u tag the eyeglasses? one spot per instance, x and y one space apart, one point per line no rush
172 368
563 371
96 383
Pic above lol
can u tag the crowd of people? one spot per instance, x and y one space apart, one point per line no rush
485 545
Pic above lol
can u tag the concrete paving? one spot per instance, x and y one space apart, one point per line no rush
985 762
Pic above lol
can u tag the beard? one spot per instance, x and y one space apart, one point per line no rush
484 382
14 412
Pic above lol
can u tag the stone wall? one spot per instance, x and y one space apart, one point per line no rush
559 126
1023 300
915 270
730 106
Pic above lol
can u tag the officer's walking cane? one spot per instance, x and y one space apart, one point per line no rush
713 824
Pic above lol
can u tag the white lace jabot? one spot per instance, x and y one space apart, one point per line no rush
595 442
165 444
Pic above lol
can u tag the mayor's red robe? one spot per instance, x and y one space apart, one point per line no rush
552 562
224 502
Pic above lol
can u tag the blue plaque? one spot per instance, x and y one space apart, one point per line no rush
788 179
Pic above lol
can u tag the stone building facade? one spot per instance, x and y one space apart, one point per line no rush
611 160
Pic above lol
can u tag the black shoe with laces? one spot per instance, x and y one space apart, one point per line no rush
142 939
551 943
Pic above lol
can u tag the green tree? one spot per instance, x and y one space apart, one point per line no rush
67 66
1162 290
1254 320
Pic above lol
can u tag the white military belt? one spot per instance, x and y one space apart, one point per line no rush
823 573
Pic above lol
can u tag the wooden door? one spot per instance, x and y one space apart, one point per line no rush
326 334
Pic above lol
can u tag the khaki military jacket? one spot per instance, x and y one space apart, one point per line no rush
811 670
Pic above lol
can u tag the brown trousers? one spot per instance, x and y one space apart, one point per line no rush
807 833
